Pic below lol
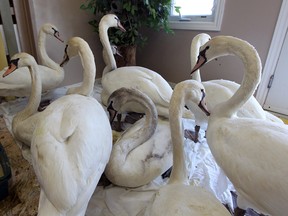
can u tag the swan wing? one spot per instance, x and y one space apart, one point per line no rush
70 148
255 161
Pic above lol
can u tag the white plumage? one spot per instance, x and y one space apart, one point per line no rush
71 143
221 90
143 79
178 197
252 152
50 72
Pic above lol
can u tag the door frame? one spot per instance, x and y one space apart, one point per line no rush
273 53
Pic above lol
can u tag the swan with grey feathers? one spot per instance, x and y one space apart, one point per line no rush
252 152
50 72
144 151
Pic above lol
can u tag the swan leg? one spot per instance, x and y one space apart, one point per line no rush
239 212
192 135
43 104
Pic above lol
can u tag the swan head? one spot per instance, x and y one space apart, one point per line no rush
195 96
111 20
19 60
121 101
51 30
72 49
223 46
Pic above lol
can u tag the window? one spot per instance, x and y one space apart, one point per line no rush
197 14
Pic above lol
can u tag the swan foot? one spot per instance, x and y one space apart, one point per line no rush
192 135
43 104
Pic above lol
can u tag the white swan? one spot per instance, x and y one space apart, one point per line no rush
252 152
221 90
178 197
143 79
144 151
50 72
71 144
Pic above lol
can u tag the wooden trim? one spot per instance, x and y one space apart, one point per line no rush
25 30
8 27
274 52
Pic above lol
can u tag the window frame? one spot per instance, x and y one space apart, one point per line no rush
211 23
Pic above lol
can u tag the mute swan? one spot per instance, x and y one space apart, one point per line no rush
143 79
221 90
50 72
144 151
252 152
178 197
71 144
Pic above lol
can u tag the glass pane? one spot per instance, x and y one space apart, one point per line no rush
193 7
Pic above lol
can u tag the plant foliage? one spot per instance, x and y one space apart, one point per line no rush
134 14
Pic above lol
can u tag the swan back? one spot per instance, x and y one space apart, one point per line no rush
196 43
77 46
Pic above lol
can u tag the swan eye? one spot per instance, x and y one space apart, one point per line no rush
14 62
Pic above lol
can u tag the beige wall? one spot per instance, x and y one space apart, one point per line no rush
251 20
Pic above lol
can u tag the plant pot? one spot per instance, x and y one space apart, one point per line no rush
128 57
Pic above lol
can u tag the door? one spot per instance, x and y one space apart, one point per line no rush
277 96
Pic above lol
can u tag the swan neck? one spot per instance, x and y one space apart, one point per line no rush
35 96
131 139
89 71
44 58
179 171
110 60
251 79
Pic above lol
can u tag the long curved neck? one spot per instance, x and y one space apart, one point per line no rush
103 34
132 138
251 79
89 72
44 58
35 96
194 51
179 171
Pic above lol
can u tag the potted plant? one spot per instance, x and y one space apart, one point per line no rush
134 15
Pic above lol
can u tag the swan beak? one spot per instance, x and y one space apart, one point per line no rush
202 104
12 67
112 113
120 26
57 35
200 62
65 60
